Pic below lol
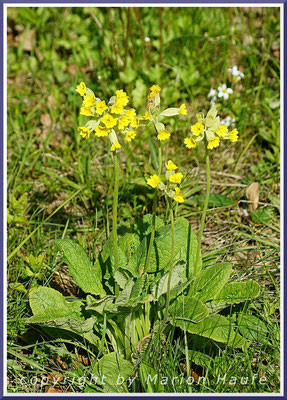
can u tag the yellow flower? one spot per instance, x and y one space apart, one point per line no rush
87 111
197 128
154 90
81 89
123 122
115 146
109 121
176 178
101 131
170 166
213 142
233 135
130 135
182 109
153 181
178 196
89 100
146 117
190 143
135 122
222 131
122 97
131 113
101 107
84 132
163 135
117 108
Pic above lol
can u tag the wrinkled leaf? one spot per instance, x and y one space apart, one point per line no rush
48 304
211 281
215 327
160 254
161 285
188 308
109 368
86 276
236 292
252 328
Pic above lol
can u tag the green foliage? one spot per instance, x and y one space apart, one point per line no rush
123 315
87 277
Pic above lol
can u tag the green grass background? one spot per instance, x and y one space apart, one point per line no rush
68 181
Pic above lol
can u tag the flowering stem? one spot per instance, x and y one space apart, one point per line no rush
171 259
115 209
153 213
203 212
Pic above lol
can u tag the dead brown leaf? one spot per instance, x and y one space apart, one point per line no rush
51 389
252 194
51 101
46 120
28 39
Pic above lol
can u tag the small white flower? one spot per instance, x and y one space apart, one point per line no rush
147 39
228 121
224 91
213 100
212 93
235 72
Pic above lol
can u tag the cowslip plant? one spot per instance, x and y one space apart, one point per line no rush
149 276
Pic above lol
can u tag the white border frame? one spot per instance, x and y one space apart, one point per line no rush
251 394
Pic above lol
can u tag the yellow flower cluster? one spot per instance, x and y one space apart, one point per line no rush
172 178
153 102
154 90
109 119
211 129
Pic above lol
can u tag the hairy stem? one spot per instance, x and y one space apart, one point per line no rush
155 198
115 210
171 259
203 212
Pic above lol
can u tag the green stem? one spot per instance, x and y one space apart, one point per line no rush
153 214
186 355
115 210
171 259
203 212
196 269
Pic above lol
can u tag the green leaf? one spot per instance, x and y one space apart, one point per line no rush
177 276
236 292
122 277
199 358
150 379
108 370
260 217
138 93
211 281
19 205
48 304
17 286
188 308
153 153
51 309
160 253
86 276
252 328
215 327
188 252
215 200
143 226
